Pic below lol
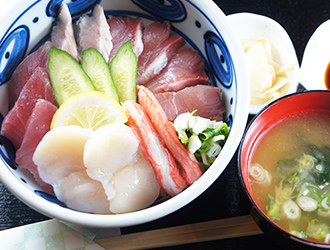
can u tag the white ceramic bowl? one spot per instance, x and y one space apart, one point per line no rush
26 24
253 26
316 59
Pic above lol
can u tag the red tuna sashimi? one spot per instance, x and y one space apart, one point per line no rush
25 69
123 29
159 46
206 99
185 69
93 31
37 87
62 35
37 126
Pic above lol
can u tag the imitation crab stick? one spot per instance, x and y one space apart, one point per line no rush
163 163
167 133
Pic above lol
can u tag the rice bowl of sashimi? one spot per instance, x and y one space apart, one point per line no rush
117 113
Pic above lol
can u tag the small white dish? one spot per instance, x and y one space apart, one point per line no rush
316 58
253 26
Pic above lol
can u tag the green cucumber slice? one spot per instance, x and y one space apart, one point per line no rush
98 70
66 75
123 68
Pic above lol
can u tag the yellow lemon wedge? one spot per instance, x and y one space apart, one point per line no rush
90 110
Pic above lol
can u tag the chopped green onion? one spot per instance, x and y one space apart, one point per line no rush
259 174
273 208
300 234
316 230
324 203
307 163
291 210
194 144
204 147
307 204
202 137
323 213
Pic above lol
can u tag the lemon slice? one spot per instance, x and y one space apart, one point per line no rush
89 110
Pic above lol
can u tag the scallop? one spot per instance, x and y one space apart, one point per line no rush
60 153
113 157
272 35
136 187
316 58
78 191
110 148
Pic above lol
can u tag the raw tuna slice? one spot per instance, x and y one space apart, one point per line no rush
37 87
159 46
185 69
37 126
62 35
12 127
207 100
123 29
93 31
25 69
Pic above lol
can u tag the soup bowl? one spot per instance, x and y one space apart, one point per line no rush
268 119
26 25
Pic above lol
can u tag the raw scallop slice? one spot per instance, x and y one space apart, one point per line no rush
93 31
38 125
136 187
37 87
185 69
159 46
25 69
207 100
62 35
113 157
123 29
60 153
78 191
110 148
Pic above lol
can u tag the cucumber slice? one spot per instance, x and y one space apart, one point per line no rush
66 75
98 70
123 68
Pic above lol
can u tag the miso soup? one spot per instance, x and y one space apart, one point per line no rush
290 175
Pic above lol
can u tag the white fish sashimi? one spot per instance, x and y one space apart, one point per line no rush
60 153
62 35
79 191
94 31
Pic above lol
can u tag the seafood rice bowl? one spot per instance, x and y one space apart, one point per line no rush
117 113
